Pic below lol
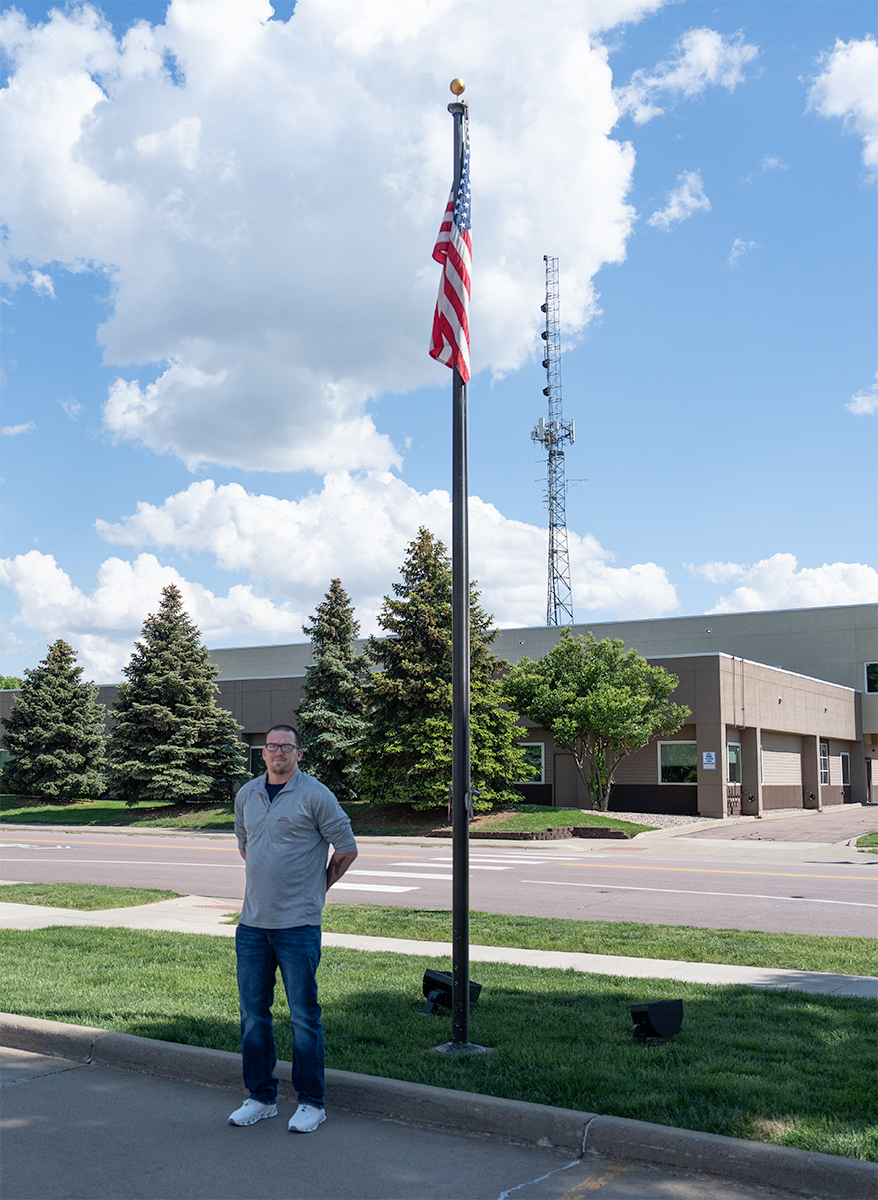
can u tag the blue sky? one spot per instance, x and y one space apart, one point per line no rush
218 224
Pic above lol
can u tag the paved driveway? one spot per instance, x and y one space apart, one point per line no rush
831 826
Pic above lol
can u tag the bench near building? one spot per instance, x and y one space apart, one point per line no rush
784 710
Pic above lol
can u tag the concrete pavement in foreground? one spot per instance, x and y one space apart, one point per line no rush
113 1117
105 1134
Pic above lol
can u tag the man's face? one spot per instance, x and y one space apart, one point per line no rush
281 754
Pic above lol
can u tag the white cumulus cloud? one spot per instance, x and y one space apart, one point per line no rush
847 87
264 197
779 582
717 572
865 401
72 408
16 430
42 284
102 625
702 58
356 528
685 199
739 248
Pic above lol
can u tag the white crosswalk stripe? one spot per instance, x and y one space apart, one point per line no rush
478 860
473 866
401 874
371 887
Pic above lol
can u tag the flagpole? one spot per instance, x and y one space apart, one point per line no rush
460 662
461 798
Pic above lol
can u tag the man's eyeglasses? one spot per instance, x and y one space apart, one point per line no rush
286 748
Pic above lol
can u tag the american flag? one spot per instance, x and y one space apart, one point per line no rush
450 342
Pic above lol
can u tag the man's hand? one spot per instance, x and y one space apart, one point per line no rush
337 866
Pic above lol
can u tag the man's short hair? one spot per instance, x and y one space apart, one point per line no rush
287 729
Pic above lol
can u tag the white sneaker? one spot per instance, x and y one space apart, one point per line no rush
306 1118
252 1111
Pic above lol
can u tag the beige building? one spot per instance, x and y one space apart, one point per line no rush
784 709
759 738
784 704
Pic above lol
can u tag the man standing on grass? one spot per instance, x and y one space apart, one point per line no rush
285 822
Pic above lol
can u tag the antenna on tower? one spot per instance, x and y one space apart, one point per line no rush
552 434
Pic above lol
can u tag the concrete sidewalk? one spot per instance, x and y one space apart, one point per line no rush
201 914
108 1116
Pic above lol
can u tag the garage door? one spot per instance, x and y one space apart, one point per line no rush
781 759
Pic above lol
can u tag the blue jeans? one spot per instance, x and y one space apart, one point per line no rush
297 952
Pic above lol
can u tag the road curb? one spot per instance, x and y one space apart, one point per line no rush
810 1174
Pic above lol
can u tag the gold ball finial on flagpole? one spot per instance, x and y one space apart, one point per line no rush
457 86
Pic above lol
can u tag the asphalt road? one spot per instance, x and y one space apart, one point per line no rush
681 881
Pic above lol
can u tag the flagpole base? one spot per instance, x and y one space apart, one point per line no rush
458 1049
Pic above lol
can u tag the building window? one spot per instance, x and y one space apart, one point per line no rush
534 759
257 765
678 762
824 764
845 769
734 762
872 677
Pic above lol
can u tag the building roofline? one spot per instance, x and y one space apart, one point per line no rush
248 679
756 612
649 657
753 663
750 612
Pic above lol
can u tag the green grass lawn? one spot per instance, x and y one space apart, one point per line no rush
770 1066
541 816
869 841
84 897
399 820
116 812
797 952
389 820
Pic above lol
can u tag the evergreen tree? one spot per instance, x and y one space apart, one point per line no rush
331 719
170 740
55 733
406 754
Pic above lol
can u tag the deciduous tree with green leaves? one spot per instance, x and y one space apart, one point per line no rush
55 733
406 753
10 682
170 740
598 702
331 719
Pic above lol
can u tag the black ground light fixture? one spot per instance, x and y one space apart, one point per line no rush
657 1020
437 988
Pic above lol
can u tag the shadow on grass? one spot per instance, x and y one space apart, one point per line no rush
782 1067
769 1066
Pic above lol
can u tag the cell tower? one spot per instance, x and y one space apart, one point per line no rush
552 434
